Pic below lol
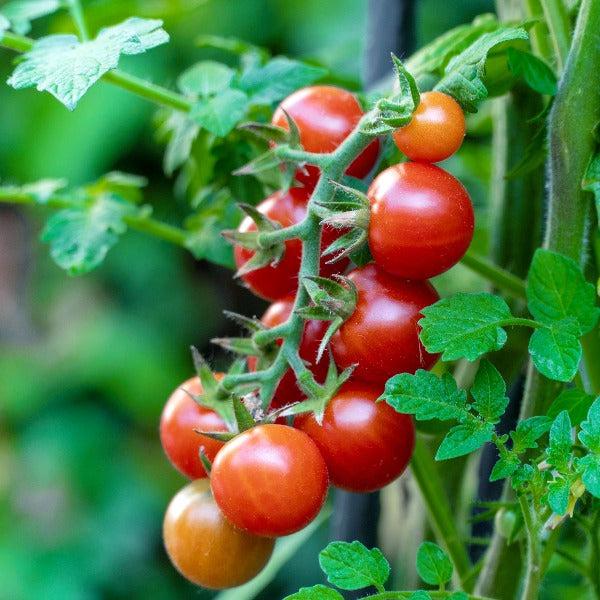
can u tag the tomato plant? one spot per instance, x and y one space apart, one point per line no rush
270 480
366 444
204 547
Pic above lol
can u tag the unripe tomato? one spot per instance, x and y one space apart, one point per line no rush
270 480
365 444
287 390
436 130
204 547
381 337
422 220
180 416
275 282
325 116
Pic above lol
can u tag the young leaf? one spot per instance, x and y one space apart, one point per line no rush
535 72
589 435
464 325
205 78
489 392
559 449
589 466
182 132
352 566
505 467
575 401
464 439
316 592
220 114
277 79
79 238
420 595
19 14
556 289
591 181
556 350
464 75
528 432
558 495
67 68
426 396
433 565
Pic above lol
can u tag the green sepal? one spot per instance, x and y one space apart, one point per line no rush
265 162
219 436
243 417
205 460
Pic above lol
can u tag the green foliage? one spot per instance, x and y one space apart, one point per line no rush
575 401
464 439
67 68
591 181
352 566
17 15
534 71
489 392
433 565
316 592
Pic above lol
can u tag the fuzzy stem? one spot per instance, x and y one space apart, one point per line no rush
78 18
533 574
558 23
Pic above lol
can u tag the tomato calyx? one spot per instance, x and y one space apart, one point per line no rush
274 133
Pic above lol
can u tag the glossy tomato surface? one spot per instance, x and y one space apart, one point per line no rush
204 547
270 480
365 444
325 116
180 417
381 337
275 282
422 220
436 130
287 391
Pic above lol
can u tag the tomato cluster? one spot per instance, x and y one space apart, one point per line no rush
272 479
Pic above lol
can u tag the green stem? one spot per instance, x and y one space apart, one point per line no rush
533 573
558 23
501 278
593 570
78 18
539 33
425 472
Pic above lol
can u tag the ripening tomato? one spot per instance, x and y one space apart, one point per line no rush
180 417
422 220
275 282
365 444
325 116
204 547
270 480
436 131
287 390
381 337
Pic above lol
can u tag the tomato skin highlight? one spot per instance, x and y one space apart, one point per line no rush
381 337
436 131
287 391
270 480
274 282
325 116
422 220
204 547
365 444
180 416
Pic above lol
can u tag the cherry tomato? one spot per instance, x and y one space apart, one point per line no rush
180 416
436 130
288 391
204 547
365 444
325 116
275 282
270 480
421 220
381 337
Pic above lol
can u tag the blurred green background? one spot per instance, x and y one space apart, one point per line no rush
87 363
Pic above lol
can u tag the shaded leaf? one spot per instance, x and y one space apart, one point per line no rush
535 72
220 114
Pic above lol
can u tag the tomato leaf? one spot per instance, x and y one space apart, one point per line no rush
316 592
556 350
528 431
535 72
505 466
559 451
67 68
575 401
205 78
559 491
464 325
426 396
352 566
420 595
18 15
277 79
591 181
464 439
489 392
589 466
433 565
220 114
556 289
589 435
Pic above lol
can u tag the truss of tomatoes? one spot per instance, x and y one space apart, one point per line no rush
272 479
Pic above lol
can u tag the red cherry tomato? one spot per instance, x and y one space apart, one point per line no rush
422 220
204 547
180 416
382 335
288 391
270 480
275 282
436 130
325 116
365 444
